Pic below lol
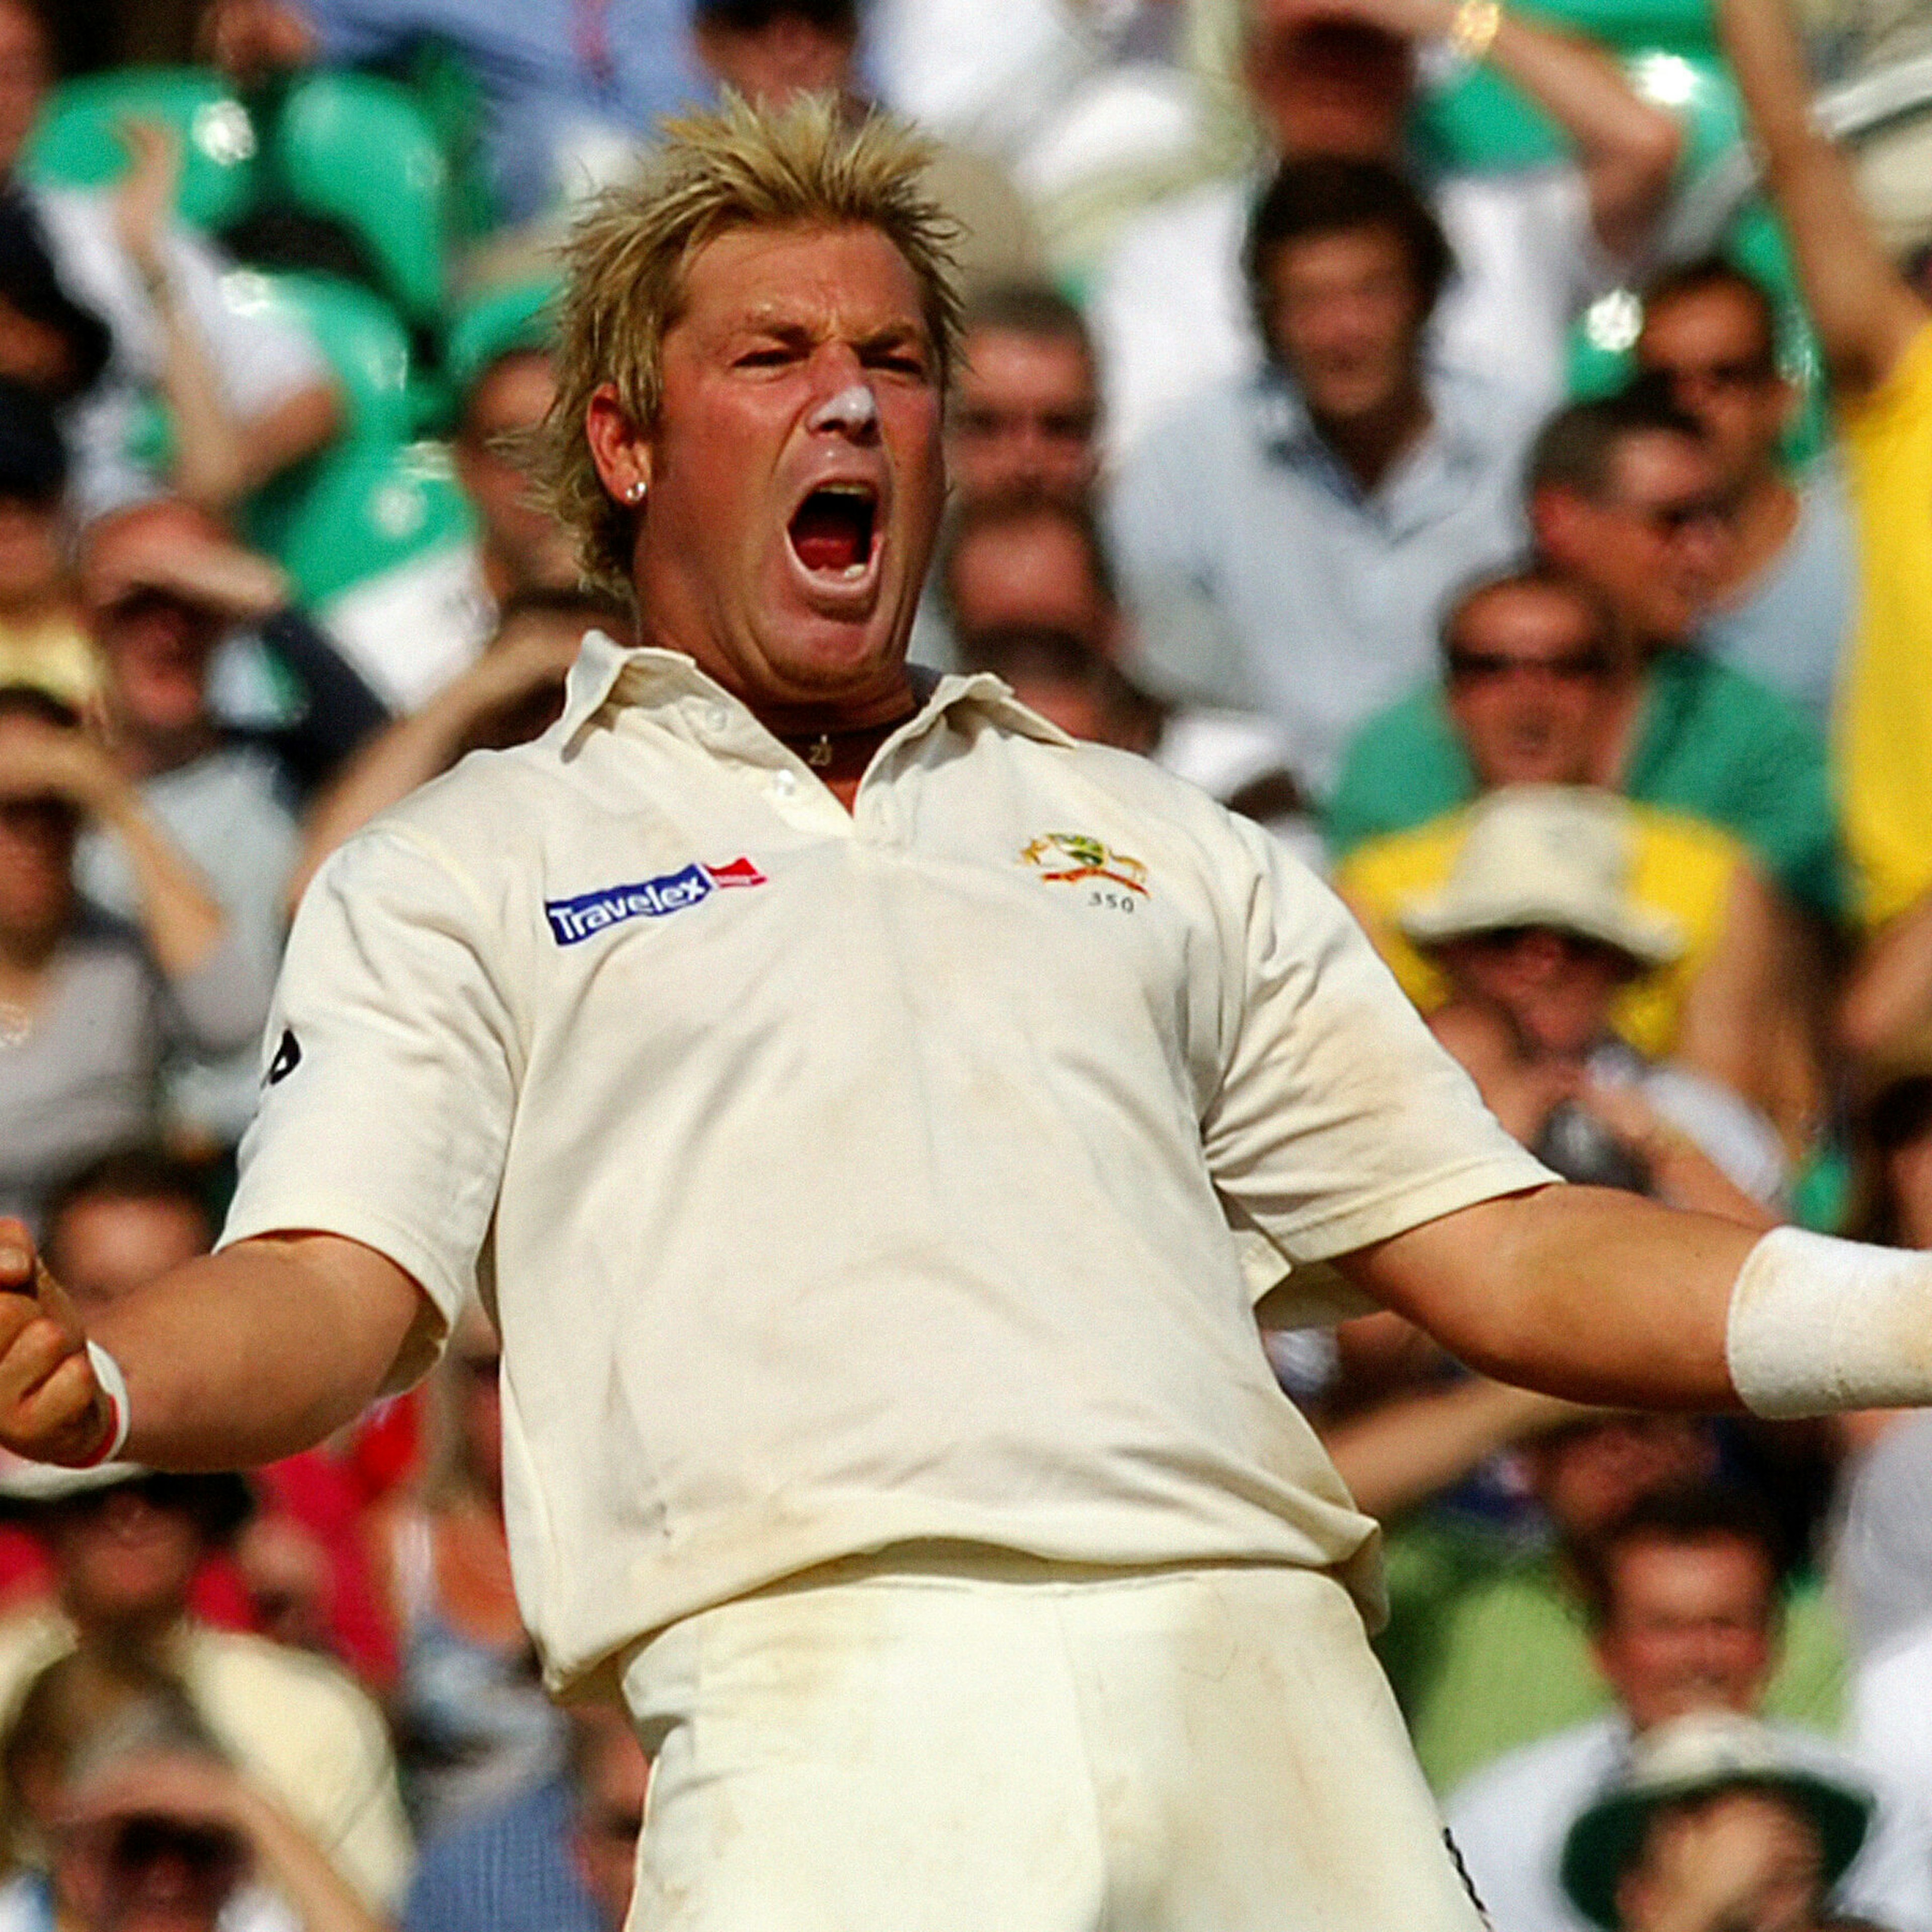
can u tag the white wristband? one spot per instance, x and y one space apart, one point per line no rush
1818 1325
114 1385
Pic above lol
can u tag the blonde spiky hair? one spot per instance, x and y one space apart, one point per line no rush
806 164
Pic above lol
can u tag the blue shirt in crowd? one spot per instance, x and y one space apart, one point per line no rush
507 1869
1263 577
557 75
1789 630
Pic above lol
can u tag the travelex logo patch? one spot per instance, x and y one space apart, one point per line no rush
572 921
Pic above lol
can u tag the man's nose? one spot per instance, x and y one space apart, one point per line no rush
853 412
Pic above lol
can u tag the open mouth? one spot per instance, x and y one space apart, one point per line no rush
834 530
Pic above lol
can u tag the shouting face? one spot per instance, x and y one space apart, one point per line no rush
793 480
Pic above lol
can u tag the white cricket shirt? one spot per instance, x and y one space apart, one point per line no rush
838 1181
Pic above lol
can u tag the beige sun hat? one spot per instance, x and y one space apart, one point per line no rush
1556 855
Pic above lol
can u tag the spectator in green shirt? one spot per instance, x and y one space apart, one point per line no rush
1624 496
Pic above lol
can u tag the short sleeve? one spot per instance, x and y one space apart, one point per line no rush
390 1074
1338 1120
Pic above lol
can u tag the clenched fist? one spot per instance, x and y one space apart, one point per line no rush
53 1407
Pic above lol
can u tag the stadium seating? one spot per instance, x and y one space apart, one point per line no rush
76 143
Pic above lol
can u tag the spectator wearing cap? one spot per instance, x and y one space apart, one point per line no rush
1535 930
42 640
1625 497
1288 540
1715 1827
1532 679
88 1002
1337 78
411 632
247 393
1783 605
1685 1598
126 1543
770 50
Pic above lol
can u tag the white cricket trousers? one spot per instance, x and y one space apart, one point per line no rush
981 1747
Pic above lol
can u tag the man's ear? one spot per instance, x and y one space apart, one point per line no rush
620 449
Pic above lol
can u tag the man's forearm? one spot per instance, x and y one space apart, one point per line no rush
1584 1292
1602 1297
1865 313
208 466
180 918
257 1352
1628 148
1403 1452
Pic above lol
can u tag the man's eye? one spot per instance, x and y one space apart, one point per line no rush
764 358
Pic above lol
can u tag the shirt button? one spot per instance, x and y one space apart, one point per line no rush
783 783
718 717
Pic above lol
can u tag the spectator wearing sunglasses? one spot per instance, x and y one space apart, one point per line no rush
1624 495
1784 595
1535 682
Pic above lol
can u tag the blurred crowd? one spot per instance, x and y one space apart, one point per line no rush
1350 419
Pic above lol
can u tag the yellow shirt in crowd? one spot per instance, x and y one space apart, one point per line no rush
1885 724
1679 865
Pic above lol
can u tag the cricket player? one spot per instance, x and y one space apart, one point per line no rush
875 1120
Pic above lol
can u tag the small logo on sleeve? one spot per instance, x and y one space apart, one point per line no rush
288 1058
574 920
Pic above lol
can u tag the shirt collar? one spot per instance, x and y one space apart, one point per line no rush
645 673
1288 431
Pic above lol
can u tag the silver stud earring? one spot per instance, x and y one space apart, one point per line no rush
634 494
